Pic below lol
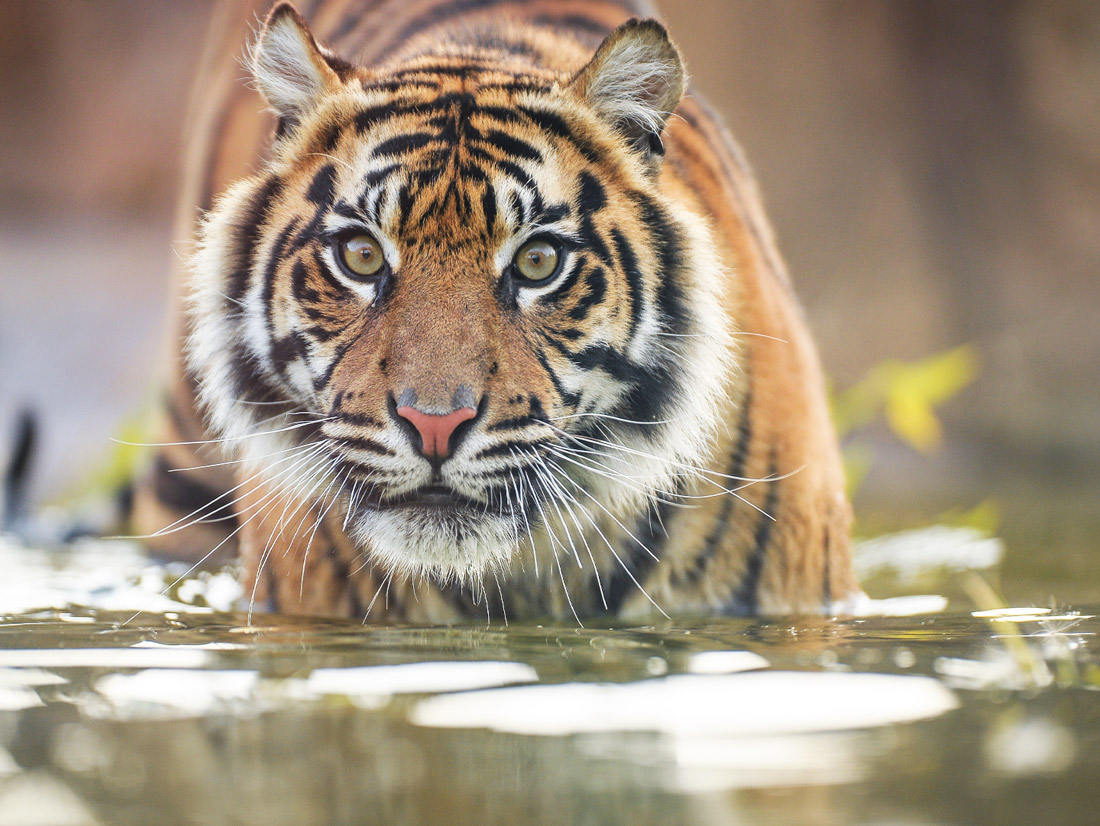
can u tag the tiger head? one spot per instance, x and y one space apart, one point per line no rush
459 302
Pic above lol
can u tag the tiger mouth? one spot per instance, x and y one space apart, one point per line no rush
437 499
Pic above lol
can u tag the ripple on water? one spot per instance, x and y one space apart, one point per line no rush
135 706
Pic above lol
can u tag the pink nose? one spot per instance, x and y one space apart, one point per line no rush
436 430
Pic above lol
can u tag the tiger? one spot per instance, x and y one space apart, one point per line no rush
485 317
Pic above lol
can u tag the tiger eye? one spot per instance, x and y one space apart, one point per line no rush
536 260
362 255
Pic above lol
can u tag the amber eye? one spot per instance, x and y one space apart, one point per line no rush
537 260
361 255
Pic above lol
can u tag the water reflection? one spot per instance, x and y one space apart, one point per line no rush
187 714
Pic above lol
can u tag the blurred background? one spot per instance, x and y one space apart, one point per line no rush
932 169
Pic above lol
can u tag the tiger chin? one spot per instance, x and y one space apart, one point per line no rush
496 327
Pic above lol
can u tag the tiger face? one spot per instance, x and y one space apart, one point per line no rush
454 277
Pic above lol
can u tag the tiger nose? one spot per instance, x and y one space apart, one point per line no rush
436 430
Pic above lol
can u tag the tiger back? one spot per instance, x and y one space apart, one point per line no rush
485 318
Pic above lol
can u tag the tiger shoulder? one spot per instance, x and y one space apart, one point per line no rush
485 318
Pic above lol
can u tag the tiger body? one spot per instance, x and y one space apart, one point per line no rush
642 430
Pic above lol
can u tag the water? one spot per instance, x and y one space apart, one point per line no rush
186 713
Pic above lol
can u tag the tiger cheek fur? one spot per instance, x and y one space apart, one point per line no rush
486 335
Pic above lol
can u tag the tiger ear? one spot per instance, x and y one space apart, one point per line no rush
635 80
289 67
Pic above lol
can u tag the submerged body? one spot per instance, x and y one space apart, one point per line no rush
495 325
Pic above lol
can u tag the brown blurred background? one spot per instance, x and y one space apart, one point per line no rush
932 168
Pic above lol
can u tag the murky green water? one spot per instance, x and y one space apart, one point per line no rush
184 714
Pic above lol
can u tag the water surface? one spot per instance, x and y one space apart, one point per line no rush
187 713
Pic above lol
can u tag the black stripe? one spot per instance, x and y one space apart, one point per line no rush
551 213
504 448
286 350
745 598
555 125
638 559
248 385
575 23
267 289
511 145
13 495
590 200
357 419
371 117
512 170
445 69
363 443
179 491
405 143
517 423
569 398
489 206
629 264
439 14
319 382
671 305
299 274
736 470
321 188
248 226
596 282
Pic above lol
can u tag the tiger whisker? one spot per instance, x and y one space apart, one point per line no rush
706 472
609 417
234 461
351 503
321 518
659 494
377 592
722 490
195 517
197 564
732 334
530 534
500 592
515 485
554 542
289 493
565 501
225 439
614 553
654 493
554 466
561 519
332 158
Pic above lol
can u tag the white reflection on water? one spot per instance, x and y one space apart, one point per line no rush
29 677
167 694
135 657
715 732
17 699
1030 746
175 693
725 662
417 678
695 765
738 705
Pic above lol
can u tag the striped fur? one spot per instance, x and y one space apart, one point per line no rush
649 430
